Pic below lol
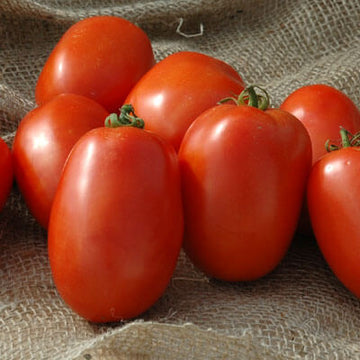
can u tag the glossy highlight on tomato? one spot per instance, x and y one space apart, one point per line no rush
243 173
101 57
42 143
179 88
116 225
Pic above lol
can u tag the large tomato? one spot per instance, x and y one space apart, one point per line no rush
333 194
323 110
42 143
243 174
6 171
101 57
116 225
179 88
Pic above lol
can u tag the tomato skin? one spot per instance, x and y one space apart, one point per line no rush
101 57
243 174
179 88
6 171
42 144
323 110
116 224
332 195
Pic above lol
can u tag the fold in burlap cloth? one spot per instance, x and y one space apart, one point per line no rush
300 311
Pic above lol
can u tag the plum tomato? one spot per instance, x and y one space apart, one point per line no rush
179 88
42 143
243 173
116 224
101 57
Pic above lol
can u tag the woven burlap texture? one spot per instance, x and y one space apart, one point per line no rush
299 311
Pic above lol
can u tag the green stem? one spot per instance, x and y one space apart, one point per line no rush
345 141
127 117
250 97
356 140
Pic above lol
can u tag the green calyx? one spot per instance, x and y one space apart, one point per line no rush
347 140
250 96
127 117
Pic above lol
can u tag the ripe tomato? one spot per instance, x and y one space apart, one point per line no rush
42 143
101 57
116 225
178 89
6 171
243 173
323 110
333 201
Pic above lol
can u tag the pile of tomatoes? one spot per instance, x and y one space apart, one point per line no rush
125 162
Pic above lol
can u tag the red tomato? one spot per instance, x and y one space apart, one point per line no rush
6 172
323 110
243 176
116 225
101 57
42 143
178 89
333 201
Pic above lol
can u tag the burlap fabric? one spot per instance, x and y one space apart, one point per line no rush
300 311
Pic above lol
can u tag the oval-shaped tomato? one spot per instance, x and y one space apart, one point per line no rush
42 143
333 201
116 225
243 175
323 110
6 172
179 88
101 57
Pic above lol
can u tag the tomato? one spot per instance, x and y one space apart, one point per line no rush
6 171
101 57
42 143
323 110
243 173
333 201
116 225
179 88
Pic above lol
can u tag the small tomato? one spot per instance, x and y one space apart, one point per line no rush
179 88
323 110
42 143
101 57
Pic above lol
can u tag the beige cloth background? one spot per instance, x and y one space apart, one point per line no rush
300 311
